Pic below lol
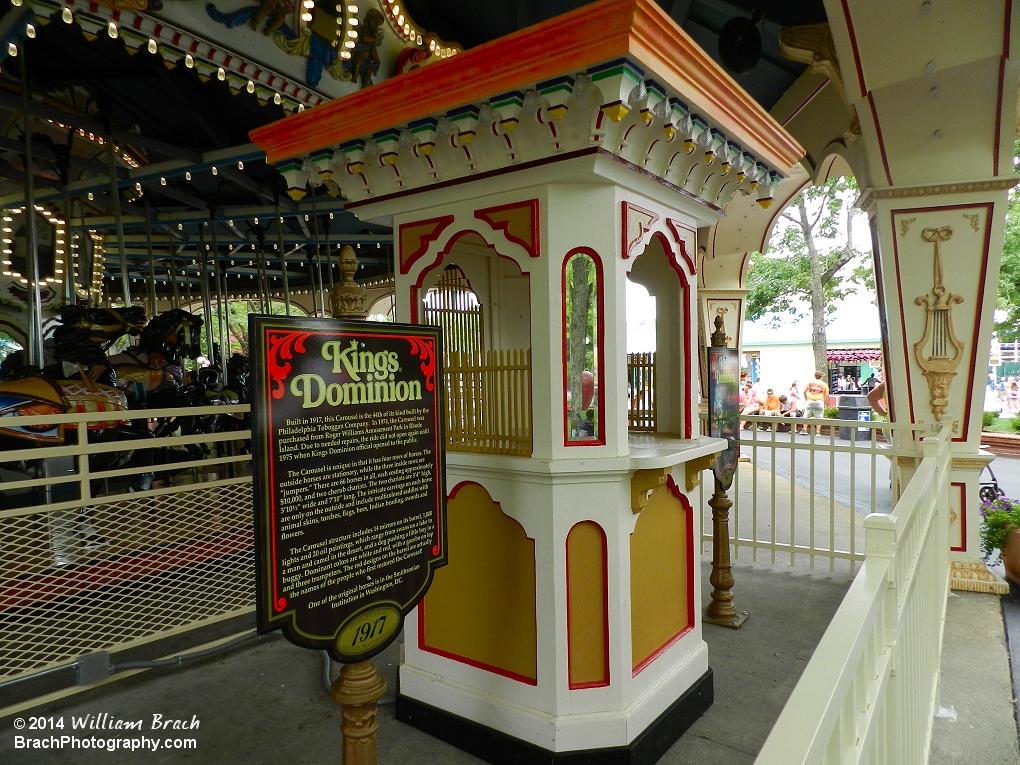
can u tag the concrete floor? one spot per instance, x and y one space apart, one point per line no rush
264 702
976 723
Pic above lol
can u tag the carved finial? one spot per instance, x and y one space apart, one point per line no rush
348 297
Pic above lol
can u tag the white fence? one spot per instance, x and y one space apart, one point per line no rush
803 497
869 693
106 559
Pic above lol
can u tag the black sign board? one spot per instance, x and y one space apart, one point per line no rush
349 476
724 409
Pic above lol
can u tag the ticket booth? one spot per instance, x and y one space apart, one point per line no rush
526 181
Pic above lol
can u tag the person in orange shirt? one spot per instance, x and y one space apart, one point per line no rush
773 406
815 394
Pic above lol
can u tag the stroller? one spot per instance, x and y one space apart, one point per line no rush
989 490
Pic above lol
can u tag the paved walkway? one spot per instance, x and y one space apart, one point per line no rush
264 702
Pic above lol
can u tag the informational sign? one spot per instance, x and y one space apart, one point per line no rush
349 478
724 409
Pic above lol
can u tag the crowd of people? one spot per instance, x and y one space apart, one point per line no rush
808 402
1008 390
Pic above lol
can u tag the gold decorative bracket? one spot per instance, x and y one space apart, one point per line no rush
812 44
643 483
695 467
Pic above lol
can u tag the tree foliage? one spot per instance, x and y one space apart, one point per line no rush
581 316
1008 298
811 262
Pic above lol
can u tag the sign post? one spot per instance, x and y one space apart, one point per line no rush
350 497
723 422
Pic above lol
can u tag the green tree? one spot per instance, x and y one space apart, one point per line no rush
1008 297
237 322
807 259
581 316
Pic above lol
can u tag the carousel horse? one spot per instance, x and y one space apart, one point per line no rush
151 374
37 392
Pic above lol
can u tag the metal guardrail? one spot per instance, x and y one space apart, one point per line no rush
91 560
805 496
869 693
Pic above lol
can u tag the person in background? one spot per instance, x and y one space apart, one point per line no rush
587 427
749 403
816 393
773 406
788 408
876 397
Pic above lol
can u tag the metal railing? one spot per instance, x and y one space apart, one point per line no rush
96 560
805 496
641 414
869 693
488 402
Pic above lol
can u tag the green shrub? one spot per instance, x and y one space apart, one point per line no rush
998 519
1016 424
832 412
987 418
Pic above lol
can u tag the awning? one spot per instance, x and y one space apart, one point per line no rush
853 355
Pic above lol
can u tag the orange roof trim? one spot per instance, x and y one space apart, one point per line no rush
566 44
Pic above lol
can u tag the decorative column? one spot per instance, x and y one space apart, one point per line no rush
930 100
937 252
357 690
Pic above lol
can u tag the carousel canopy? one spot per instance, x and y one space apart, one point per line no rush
853 355
177 87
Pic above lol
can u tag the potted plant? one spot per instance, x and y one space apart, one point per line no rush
1000 530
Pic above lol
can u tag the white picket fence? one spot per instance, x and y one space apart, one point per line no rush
803 498
870 691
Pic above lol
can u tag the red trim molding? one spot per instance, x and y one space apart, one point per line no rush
688 362
505 223
463 659
675 227
415 237
689 513
962 520
862 88
645 219
605 609
600 328
989 208
878 134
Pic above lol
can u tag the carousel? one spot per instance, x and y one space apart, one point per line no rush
140 228
514 205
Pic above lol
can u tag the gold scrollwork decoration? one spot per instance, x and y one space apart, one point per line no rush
938 352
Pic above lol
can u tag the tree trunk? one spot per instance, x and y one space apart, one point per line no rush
818 344
580 305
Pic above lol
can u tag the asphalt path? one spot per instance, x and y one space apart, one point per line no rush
832 470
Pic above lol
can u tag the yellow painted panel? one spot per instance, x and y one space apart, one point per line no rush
481 607
659 597
587 630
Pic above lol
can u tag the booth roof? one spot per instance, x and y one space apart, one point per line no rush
590 35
